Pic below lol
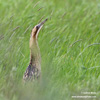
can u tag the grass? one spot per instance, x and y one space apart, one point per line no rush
69 44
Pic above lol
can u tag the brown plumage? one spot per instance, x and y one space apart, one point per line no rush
33 71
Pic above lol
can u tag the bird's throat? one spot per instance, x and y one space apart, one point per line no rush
35 56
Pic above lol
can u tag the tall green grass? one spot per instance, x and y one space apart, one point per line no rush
69 43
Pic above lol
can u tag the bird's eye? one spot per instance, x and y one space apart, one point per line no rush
37 27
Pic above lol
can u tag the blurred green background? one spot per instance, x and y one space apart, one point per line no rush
69 43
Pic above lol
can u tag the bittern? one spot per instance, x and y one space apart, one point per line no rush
33 70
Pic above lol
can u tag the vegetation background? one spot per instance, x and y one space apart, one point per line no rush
69 43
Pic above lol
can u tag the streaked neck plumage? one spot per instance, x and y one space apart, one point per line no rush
35 56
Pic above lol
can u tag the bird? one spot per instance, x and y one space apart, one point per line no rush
33 71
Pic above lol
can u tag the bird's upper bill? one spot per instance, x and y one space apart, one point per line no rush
39 25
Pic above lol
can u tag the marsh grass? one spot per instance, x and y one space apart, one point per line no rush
69 44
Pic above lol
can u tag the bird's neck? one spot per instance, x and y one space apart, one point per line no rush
35 56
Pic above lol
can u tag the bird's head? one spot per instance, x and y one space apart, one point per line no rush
36 29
